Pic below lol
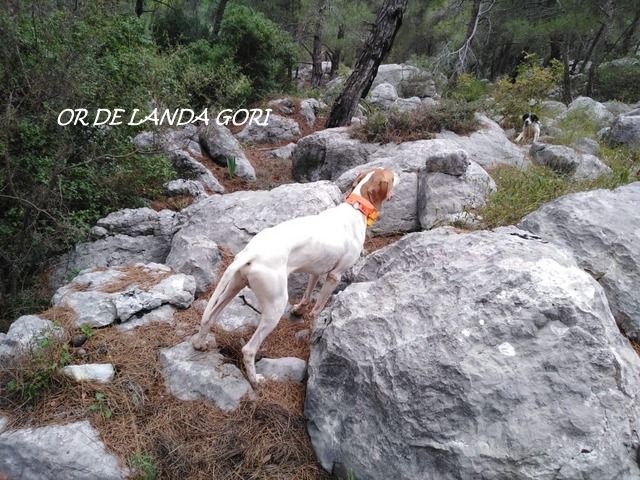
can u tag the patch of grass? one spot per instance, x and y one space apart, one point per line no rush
521 192
419 124
574 126
143 465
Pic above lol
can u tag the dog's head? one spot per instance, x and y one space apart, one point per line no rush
529 118
376 185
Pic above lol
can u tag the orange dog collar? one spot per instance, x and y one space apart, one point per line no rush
365 207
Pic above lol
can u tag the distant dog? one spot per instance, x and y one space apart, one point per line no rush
530 129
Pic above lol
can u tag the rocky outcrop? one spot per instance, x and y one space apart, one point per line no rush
73 451
325 154
310 108
480 355
489 146
278 129
566 160
195 255
221 146
125 237
386 97
594 110
448 196
625 130
102 297
192 188
407 80
24 334
601 228
193 375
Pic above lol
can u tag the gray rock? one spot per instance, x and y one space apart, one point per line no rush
281 105
24 334
625 130
617 108
283 153
163 314
446 199
601 229
450 162
566 160
188 166
594 110
403 105
242 312
309 109
586 145
4 421
220 145
383 95
232 220
408 81
489 146
325 154
278 129
282 369
481 355
97 308
73 451
552 109
192 188
193 375
93 372
195 255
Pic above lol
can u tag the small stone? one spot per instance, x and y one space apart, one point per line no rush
282 369
78 340
94 372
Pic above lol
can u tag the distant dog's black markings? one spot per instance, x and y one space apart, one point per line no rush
530 129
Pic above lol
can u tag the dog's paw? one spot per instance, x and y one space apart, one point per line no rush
203 343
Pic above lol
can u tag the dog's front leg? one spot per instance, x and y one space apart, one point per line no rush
327 289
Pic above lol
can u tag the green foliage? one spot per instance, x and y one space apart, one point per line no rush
575 125
260 48
36 370
144 466
618 81
422 123
100 406
231 166
468 88
533 85
87 330
520 192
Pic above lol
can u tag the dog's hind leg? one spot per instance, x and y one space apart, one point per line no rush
270 288
234 282
313 281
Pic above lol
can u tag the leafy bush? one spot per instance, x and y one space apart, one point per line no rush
422 123
468 88
619 81
532 85
260 48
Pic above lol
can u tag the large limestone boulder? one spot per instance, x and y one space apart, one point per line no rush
407 80
196 255
566 160
310 108
596 111
73 451
103 296
450 198
602 229
480 355
325 154
625 130
125 237
24 334
193 375
386 97
489 146
220 144
278 129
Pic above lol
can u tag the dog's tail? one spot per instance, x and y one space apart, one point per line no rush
232 281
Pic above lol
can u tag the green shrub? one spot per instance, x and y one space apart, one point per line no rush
422 123
468 88
533 85
575 125
260 48
618 81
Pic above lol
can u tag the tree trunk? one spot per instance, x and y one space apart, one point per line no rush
316 54
139 7
463 52
625 47
337 53
595 42
566 78
378 44
218 16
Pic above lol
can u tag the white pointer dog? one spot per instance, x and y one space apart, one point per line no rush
530 128
328 244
